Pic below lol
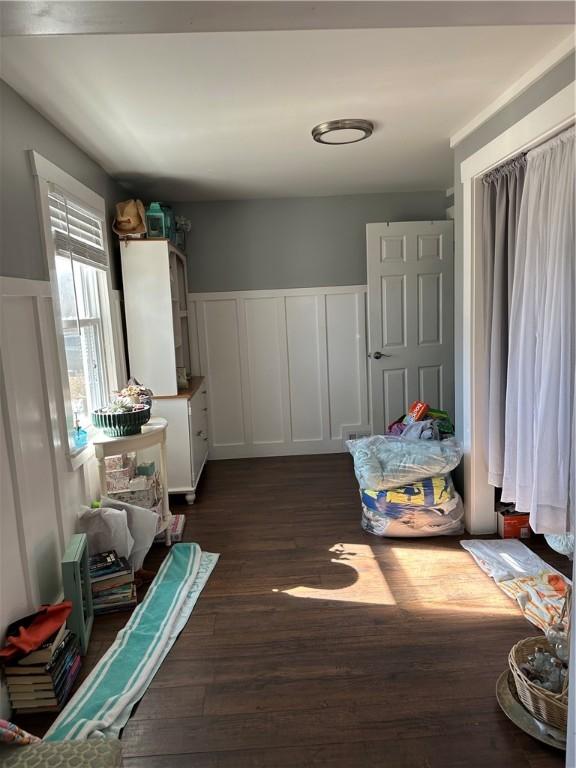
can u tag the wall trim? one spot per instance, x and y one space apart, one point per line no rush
20 286
309 343
543 122
51 409
276 292
554 57
14 455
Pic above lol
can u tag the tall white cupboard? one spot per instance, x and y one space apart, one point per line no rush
154 276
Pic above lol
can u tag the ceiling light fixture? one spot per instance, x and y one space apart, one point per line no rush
342 131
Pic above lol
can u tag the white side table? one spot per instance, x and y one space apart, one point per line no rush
153 433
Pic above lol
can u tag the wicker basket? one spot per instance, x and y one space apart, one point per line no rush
550 708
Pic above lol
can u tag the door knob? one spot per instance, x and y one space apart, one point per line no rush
377 355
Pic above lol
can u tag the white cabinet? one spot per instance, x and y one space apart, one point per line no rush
187 436
155 303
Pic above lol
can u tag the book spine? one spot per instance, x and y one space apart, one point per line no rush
62 672
115 608
63 648
73 674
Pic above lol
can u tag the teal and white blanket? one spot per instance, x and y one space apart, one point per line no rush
103 703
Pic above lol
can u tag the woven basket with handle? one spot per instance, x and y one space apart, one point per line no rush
548 707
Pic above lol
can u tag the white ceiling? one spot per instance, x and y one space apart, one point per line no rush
228 115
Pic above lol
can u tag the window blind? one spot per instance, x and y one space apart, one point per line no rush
77 232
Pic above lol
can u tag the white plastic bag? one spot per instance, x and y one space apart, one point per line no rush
143 525
106 529
416 522
505 559
382 462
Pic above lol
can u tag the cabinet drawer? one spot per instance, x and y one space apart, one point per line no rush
198 432
199 414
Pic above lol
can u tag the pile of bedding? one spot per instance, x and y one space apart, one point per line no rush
405 485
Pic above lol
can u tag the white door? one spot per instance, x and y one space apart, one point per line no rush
410 317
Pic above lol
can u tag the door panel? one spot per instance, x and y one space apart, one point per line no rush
395 390
410 317
393 311
430 309
430 385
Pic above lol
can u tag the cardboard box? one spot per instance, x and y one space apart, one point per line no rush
147 496
513 525
118 479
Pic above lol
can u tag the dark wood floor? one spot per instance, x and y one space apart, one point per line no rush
315 644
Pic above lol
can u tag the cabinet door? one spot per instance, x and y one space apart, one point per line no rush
198 432
175 411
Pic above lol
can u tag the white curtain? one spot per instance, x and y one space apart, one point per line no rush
539 436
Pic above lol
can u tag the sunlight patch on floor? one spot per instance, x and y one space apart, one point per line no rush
446 580
370 586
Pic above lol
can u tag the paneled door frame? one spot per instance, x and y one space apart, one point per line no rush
410 321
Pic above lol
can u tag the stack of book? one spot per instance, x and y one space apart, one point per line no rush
112 579
42 680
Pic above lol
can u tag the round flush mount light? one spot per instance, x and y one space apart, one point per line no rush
342 131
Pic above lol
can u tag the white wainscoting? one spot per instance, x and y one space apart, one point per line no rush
40 493
286 369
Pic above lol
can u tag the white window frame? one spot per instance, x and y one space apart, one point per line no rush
48 175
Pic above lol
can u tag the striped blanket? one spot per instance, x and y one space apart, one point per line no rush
103 703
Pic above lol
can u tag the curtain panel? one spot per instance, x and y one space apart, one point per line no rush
539 423
502 193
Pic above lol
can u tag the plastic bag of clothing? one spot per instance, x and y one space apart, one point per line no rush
429 507
384 461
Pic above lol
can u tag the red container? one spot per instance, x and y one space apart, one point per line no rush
513 525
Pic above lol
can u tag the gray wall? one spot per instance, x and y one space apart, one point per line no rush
24 128
543 89
292 242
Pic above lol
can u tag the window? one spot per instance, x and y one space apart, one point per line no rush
79 254
78 259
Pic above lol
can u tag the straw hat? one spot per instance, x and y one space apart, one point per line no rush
130 218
